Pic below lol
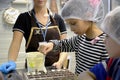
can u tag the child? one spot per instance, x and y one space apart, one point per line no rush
109 70
88 45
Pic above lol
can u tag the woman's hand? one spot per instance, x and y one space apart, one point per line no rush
7 67
46 47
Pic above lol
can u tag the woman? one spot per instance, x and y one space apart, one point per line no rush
39 17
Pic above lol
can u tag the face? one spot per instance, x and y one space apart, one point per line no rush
112 47
40 3
78 26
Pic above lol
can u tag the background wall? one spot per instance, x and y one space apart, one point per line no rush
6 37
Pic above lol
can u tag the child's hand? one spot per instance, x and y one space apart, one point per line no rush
45 48
58 65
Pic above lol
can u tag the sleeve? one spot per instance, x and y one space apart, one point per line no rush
117 75
60 23
20 24
104 55
99 71
66 45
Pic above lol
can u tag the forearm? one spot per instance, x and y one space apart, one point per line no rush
63 57
87 75
62 45
15 46
13 52
63 36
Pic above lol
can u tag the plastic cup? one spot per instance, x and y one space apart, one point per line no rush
35 61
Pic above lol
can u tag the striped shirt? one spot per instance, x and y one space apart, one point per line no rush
87 54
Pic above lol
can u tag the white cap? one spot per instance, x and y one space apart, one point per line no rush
111 24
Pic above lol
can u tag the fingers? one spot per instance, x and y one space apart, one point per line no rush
10 68
54 64
42 49
57 65
4 67
45 48
48 48
7 67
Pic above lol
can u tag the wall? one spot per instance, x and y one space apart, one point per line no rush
6 37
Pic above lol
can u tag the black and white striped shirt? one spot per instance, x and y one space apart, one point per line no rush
87 54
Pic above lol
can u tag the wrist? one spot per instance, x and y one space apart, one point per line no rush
12 62
11 58
60 63
56 46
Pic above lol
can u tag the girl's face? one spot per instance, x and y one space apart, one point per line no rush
112 47
40 3
78 26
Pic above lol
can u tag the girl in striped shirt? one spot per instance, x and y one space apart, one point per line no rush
82 16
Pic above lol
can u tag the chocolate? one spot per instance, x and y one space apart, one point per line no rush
62 74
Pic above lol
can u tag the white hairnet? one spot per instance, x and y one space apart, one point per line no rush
88 10
111 24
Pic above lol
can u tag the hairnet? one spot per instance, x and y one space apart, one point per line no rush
88 10
111 24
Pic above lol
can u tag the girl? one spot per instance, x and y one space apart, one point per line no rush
82 16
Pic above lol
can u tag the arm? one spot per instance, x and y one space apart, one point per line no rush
60 62
97 72
63 56
15 45
18 30
87 75
66 45
13 53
